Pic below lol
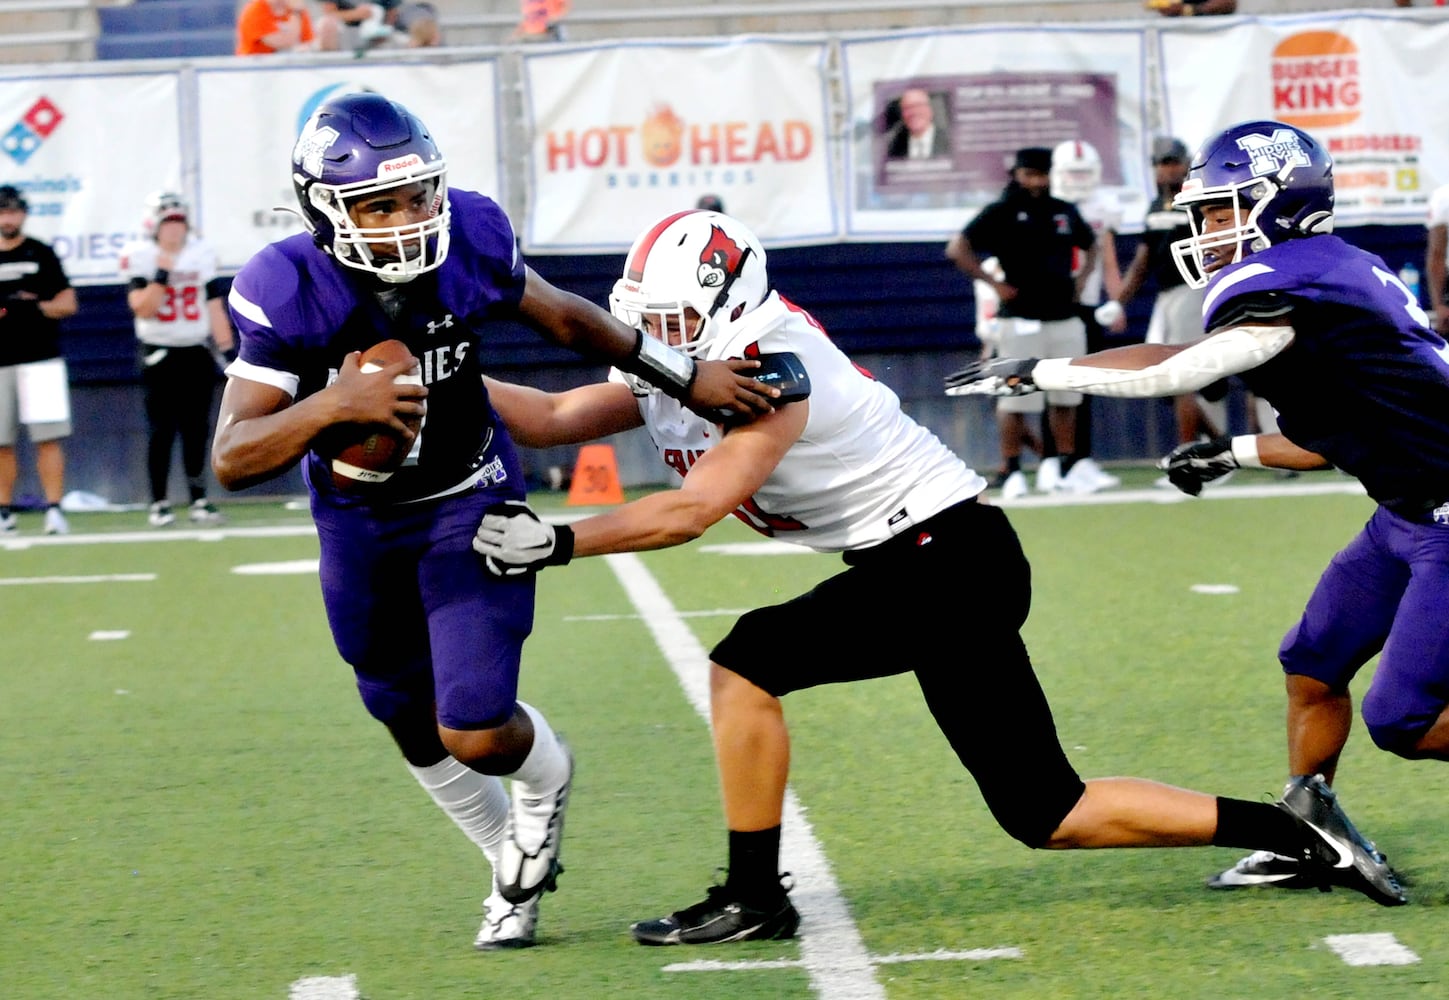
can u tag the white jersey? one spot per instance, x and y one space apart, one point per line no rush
1438 209
182 320
861 471
1103 213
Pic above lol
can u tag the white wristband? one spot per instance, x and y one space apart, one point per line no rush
1245 451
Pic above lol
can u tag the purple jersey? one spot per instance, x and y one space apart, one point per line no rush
1365 382
299 312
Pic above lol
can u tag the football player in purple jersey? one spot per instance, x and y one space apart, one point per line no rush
435 641
839 467
1330 336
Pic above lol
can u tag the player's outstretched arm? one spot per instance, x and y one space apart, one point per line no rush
578 324
538 419
514 541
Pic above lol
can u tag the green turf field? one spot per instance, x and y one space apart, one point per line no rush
195 804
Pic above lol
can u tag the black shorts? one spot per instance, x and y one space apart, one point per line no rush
946 600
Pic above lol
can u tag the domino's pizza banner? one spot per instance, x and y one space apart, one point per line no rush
249 119
86 151
626 133
1368 86
986 92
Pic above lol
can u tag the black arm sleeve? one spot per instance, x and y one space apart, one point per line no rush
1253 308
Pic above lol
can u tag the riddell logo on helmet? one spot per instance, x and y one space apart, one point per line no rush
720 256
1316 80
410 162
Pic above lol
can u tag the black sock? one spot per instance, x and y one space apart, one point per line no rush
5 510
1068 459
754 872
1013 465
1258 826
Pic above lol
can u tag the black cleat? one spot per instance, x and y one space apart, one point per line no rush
1337 854
720 919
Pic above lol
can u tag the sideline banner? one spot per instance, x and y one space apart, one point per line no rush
1366 85
86 151
249 118
986 92
627 133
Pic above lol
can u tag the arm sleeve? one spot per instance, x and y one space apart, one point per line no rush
1224 353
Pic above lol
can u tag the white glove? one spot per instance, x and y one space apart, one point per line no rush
513 541
1109 313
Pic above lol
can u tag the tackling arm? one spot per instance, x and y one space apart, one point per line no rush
724 477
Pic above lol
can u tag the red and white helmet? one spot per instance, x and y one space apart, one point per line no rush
1076 170
699 260
164 206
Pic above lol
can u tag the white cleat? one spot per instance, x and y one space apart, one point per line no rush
505 924
529 861
55 522
1048 475
1015 486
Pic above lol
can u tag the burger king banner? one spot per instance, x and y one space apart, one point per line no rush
1366 85
623 134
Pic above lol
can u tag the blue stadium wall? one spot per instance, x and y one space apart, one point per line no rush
899 309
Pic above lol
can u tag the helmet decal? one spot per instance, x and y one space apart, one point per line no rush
719 258
1269 153
313 145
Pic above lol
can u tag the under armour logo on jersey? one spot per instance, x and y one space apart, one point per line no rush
1441 514
435 327
311 147
1270 152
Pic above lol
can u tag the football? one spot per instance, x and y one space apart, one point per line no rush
366 455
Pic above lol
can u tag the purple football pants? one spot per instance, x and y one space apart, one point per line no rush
1387 591
416 615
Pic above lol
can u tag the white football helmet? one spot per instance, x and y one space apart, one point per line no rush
704 261
1076 170
164 206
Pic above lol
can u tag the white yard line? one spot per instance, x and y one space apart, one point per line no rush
27 581
325 988
831 949
1370 949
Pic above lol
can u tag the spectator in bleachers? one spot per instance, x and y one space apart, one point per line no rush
710 203
542 20
413 24
34 390
350 24
267 26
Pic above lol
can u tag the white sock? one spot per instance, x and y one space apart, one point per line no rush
476 802
546 767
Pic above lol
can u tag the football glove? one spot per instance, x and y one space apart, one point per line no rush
513 541
1191 466
1109 313
997 377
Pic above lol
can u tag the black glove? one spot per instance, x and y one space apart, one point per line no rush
997 377
513 541
1191 466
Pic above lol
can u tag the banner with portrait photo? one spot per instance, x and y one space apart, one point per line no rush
85 151
249 119
936 118
1364 84
627 133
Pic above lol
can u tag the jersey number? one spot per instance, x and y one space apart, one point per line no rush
185 302
1411 303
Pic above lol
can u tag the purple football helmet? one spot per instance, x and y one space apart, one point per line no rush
1280 174
358 145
